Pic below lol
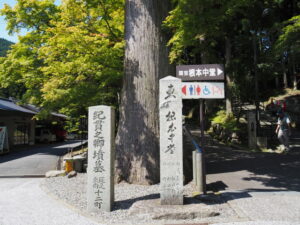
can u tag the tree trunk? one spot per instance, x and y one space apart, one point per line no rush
295 81
285 80
294 72
255 56
228 80
146 61
277 82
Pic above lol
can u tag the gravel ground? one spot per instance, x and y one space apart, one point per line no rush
136 204
260 223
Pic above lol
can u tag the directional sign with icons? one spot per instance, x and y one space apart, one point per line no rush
200 72
202 90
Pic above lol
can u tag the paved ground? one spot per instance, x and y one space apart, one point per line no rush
23 202
270 206
262 188
34 161
236 169
230 168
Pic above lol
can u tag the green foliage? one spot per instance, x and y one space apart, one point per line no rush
200 29
72 125
29 14
201 24
229 122
72 56
289 40
4 46
229 32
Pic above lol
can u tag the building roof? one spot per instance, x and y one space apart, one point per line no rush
9 105
37 110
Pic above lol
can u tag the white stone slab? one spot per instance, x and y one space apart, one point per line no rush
101 155
171 156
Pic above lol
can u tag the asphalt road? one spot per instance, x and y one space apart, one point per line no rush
237 169
34 161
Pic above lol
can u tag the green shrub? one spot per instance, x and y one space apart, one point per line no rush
229 122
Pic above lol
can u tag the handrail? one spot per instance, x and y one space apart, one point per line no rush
189 134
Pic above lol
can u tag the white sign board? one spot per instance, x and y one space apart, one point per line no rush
202 90
3 140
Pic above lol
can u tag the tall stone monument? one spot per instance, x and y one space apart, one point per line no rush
171 156
101 156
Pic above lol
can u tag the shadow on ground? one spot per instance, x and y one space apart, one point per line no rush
57 149
272 170
126 204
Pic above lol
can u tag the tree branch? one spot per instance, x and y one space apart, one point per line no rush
106 21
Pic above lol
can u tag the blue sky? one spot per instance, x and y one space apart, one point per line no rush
3 32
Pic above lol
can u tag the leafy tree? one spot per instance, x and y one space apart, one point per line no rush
83 56
239 34
13 90
71 57
4 46
207 32
288 44
21 66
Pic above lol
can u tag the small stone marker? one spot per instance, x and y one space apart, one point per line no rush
100 186
171 156
252 140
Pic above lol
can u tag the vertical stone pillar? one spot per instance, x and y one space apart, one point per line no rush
32 132
101 157
171 156
252 136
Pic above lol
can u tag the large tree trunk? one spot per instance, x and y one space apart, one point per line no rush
146 61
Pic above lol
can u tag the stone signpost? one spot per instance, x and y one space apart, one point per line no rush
171 146
101 155
252 136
